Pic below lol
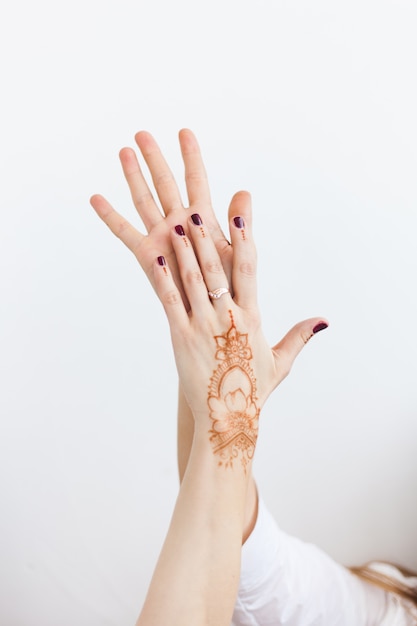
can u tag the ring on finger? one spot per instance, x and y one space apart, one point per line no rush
218 293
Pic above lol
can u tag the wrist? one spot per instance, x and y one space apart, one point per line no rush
230 444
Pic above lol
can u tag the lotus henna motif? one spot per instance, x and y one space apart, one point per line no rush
232 400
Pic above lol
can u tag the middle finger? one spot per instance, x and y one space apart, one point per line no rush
162 177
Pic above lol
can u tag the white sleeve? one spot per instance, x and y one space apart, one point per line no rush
285 581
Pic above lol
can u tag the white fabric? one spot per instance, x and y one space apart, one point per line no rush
286 582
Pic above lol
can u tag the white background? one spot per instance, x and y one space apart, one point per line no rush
312 107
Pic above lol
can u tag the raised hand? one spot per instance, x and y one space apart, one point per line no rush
159 220
219 344
226 370
186 256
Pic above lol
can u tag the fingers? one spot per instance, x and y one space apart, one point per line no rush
162 177
199 199
118 225
195 173
192 278
244 252
208 259
199 266
200 270
170 297
287 350
139 190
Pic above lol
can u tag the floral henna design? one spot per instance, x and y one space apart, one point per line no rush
232 399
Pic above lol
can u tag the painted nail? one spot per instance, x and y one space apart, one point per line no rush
320 326
179 230
161 261
239 223
197 219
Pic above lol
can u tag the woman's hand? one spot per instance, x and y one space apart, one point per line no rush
158 223
218 343
225 365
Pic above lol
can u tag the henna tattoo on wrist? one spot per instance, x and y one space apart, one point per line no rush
232 399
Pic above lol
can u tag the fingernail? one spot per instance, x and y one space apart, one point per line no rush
196 219
161 261
239 223
179 230
320 326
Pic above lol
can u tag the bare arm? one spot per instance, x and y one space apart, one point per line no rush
196 579
226 370
184 444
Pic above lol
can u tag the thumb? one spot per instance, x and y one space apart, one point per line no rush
294 341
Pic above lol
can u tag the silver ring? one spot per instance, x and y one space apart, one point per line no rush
218 293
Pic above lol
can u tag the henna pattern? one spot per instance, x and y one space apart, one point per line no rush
232 399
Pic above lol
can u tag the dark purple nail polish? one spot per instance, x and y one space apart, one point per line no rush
238 221
320 326
161 261
197 219
179 230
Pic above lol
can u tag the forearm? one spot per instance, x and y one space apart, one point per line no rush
228 370
196 579
185 432
185 435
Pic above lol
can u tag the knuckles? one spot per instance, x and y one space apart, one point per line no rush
213 267
170 298
194 277
143 199
248 269
165 178
122 226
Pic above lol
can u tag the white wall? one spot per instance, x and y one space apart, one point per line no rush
311 106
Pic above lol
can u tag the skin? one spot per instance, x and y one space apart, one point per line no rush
226 371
